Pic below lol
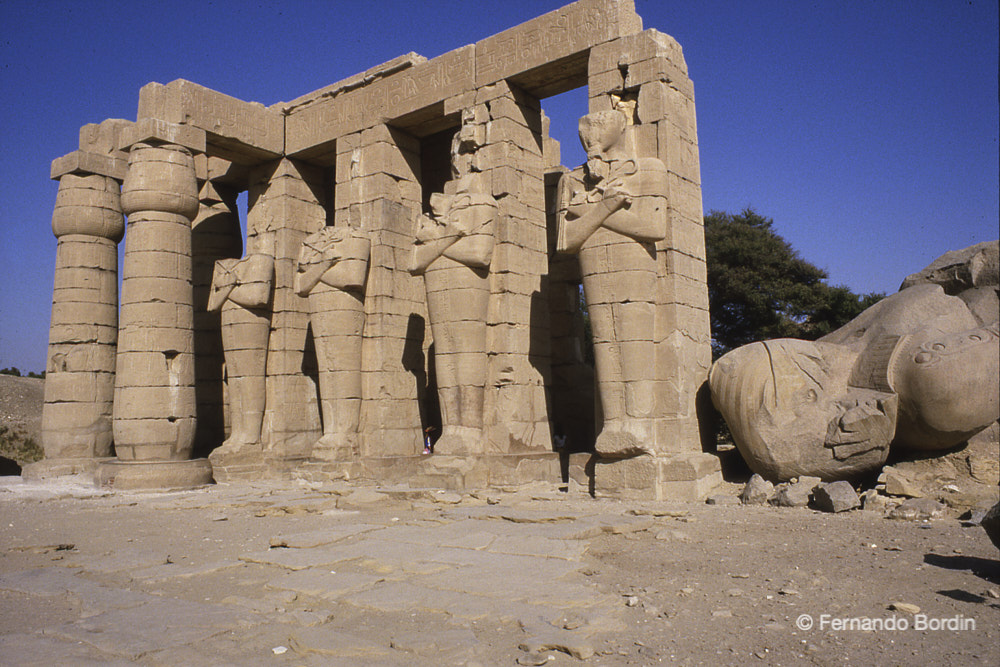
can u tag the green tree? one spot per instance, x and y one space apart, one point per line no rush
759 287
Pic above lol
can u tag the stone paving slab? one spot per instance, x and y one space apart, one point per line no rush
163 622
323 583
318 538
41 650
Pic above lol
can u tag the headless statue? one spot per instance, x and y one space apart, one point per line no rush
611 212
453 250
332 272
241 288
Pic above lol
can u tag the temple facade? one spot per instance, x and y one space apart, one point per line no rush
398 280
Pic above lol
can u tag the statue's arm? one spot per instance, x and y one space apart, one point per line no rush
475 248
254 276
645 218
431 246
223 282
309 274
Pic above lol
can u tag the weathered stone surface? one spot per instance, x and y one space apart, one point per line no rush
795 494
367 365
836 497
244 130
757 491
991 524
919 370
917 509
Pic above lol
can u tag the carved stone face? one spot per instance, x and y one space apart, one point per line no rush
792 413
601 133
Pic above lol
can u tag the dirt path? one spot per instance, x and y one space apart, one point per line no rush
340 575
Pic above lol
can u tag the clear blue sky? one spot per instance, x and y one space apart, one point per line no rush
868 130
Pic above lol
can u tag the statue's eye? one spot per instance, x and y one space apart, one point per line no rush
812 396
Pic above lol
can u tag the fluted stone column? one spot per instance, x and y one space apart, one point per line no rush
154 412
80 371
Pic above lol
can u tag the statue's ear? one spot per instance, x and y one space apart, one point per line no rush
868 422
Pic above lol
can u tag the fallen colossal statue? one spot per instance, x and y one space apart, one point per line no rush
917 371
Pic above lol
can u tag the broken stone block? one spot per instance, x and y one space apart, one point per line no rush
917 509
836 497
991 524
796 494
757 491
898 483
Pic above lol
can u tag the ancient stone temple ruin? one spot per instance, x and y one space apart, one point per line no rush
411 271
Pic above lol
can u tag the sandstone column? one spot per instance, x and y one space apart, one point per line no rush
80 370
154 414
80 373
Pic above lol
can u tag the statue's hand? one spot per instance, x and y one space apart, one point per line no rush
617 199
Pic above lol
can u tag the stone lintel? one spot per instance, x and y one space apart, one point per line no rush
545 56
552 37
85 162
385 69
241 131
312 131
159 131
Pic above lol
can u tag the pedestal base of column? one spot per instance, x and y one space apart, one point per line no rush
238 462
685 477
160 475
52 468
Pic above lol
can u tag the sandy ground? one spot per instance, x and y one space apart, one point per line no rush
332 574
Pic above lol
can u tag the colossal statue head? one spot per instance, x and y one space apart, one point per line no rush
791 412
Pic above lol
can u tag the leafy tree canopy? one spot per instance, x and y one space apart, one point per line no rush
759 287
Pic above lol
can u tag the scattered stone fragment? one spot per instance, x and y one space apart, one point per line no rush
722 613
874 501
562 641
972 517
984 469
535 659
757 491
993 593
796 494
722 499
898 483
836 497
991 524
904 607
447 498
631 601
917 509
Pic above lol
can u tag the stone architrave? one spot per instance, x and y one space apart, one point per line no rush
332 273
241 289
154 411
918 370
611 211
80 371
454 247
